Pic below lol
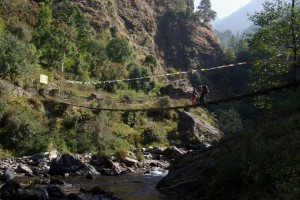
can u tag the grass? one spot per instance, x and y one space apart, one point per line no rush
4 154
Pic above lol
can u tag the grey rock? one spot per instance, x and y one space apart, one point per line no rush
105 162
54 92
8 174
31 194
55 192
89 169
207 134
11 185
23 169
66 164
129 161
74 196
89 176
178 89
173 152
19 92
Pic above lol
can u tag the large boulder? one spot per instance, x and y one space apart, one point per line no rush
66 164
207 134
173 152
8 174
129 161
23 169
19 92
178 89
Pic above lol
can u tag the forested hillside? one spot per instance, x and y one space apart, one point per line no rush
94 42
141 59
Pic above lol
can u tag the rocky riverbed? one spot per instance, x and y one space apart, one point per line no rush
44 176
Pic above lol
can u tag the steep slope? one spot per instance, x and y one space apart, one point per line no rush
163 28
262 164
238 21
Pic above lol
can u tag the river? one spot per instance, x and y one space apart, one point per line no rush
127 187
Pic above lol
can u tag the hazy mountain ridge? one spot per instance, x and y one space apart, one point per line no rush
238 21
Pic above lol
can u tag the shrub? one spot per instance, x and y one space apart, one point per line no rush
163 114
144 84
229 121
129 118
150 60
119 50
140 156
24 131
121 154
14 57
153 135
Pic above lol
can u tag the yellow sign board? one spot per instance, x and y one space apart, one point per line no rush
43 79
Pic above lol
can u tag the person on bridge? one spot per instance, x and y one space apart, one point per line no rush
195 96
204 92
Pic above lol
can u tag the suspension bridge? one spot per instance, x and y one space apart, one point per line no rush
214 102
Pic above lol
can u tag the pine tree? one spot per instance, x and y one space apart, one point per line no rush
205 14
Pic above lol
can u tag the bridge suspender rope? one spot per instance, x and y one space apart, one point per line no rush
214 102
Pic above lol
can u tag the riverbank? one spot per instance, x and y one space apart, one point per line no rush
50 175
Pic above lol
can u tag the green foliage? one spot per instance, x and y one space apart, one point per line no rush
164 114
43 25
97 57
181 6
129 118
150 61
229 121
111 71
119 50
153 135
171 28
71 15
204 13
14 57
260 166
276 35
4 154
140 156
121 154
23 129
230 56
145 84
65 30
2 25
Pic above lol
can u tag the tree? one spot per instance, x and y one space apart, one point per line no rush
43 25
145 84
205 14
151 61
119 50
276 39
230 55
229 121
71 15
14 57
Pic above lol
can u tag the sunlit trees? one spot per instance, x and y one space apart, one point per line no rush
119 50
275 40
145 84
14 57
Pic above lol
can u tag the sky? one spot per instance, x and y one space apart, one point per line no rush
225 7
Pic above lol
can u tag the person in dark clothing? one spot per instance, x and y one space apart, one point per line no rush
204 92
